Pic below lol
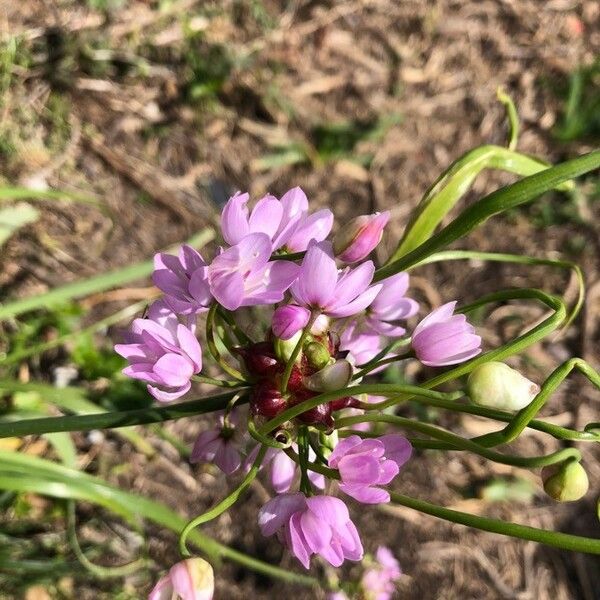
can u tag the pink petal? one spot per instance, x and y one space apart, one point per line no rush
276 513
163 590
191 346
173 370
316 282
357 305
164 396
315 227
234 219
266 216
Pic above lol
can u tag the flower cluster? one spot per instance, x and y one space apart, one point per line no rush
331 323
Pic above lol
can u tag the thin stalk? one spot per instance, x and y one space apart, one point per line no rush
556 539
460 443
224 505
212 346
285 378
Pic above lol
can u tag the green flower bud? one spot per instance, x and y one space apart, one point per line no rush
333 377
496 385
284 348
317 355
565 482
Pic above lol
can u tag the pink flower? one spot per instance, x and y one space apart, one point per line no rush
285 222
443 338
317 525
184 280
358 238
218 446
243 276
364 464
163 352
190 579
363 347
282 470
390 306
378 581
337 294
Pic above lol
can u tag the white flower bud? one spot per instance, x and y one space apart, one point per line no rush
332 377
496 385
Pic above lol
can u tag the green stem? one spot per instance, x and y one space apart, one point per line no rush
513 118
460 443
217 382
212 346
381 389
506 198
224 505
285 378
110 420
514 347
564 541
386 361
240 334
98 571
556 431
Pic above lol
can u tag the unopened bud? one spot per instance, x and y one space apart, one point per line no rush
288 320
332 377
496 385
317 355
190 579
565 482
358 238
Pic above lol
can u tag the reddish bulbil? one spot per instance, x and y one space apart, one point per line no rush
266 400
259 359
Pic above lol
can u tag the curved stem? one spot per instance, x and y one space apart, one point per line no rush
98 571
556 539
514 347
460 443
266 440
224 505
212 346
556 431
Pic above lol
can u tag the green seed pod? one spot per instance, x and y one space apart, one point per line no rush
333 377
565 482
496 385
317 355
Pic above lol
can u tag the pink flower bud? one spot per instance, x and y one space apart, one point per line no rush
358 238
190 579
289 320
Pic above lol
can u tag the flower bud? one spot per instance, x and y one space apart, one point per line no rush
289 320
190 579
320 326
358 238
317 355
565 482
267 401
259 359
284 348
496 385
333 377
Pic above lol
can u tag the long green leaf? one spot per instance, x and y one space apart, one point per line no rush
20 472
13 218
454 183
22 193
92 285
506 198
